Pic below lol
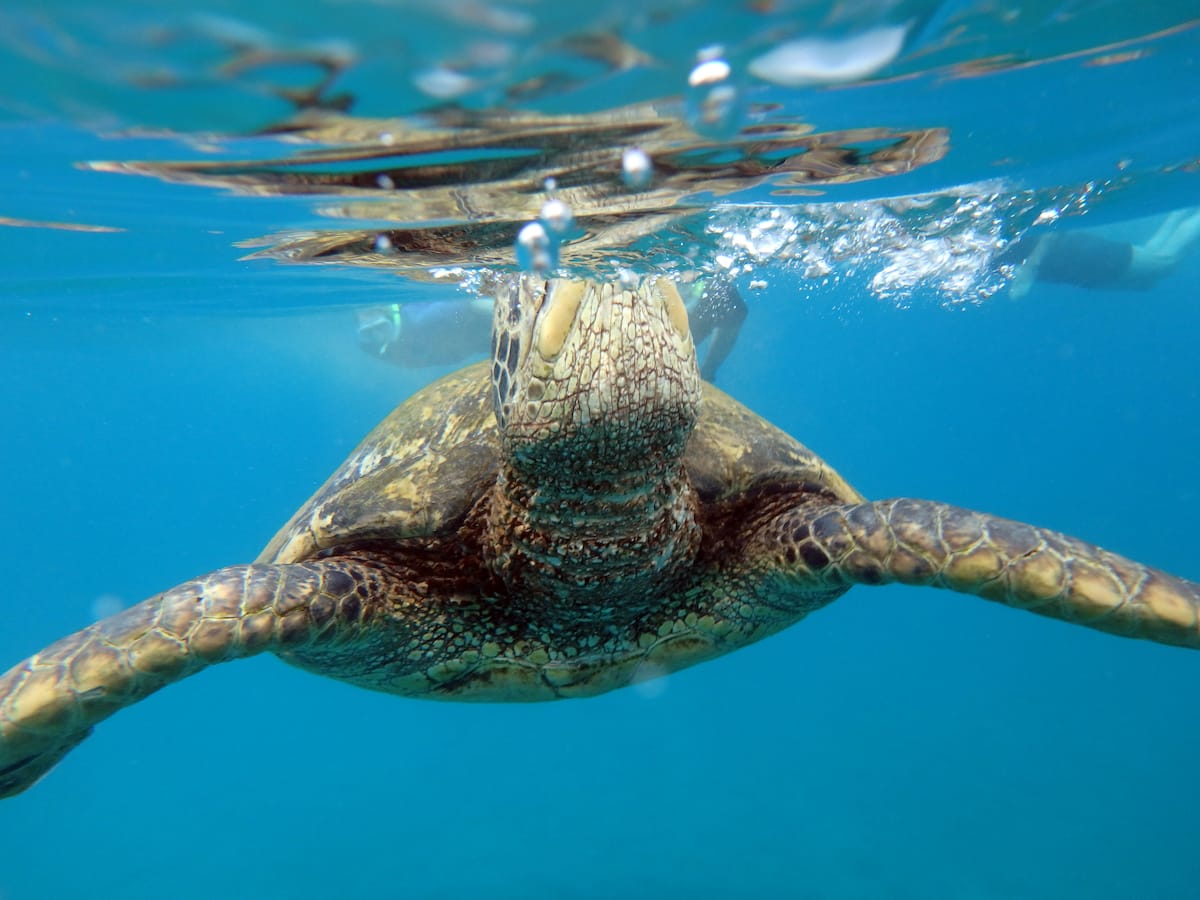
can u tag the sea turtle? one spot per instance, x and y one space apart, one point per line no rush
574 515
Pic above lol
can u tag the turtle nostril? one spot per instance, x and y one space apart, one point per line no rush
563 300
674 303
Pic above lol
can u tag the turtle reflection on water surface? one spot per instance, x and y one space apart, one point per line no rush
554 522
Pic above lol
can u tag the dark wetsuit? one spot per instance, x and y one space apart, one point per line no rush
1075 257
720 312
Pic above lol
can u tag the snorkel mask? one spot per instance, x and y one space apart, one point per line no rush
379 328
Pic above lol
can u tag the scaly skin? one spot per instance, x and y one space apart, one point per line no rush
920 542
616 537
50 702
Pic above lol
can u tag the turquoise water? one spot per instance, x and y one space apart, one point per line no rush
167 406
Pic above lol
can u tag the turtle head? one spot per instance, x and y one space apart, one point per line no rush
591 381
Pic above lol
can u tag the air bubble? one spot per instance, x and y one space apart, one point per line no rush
714 103
537 250
711 69
628 279
557 217
636 169
385 181
383 244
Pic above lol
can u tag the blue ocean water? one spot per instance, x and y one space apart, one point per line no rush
167 406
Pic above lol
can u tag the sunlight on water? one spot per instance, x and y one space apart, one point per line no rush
705 128
942 245
822 61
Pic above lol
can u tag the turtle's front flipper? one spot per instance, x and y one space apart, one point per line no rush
925 543
50 702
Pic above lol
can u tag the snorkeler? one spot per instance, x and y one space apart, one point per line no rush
715 310
441 333
426 332
1086 259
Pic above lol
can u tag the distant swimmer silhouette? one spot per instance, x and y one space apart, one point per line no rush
1086 259
426 332
443 333
716 311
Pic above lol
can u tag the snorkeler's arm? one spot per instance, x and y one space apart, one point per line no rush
1025 272
723 307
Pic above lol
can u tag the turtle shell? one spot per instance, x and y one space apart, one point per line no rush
417 473
734 450
422 469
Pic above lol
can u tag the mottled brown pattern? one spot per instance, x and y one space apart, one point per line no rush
50 702
921 542
418 472
626 521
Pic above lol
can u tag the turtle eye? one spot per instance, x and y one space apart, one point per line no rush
501 392
506 351
500 347
514 353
